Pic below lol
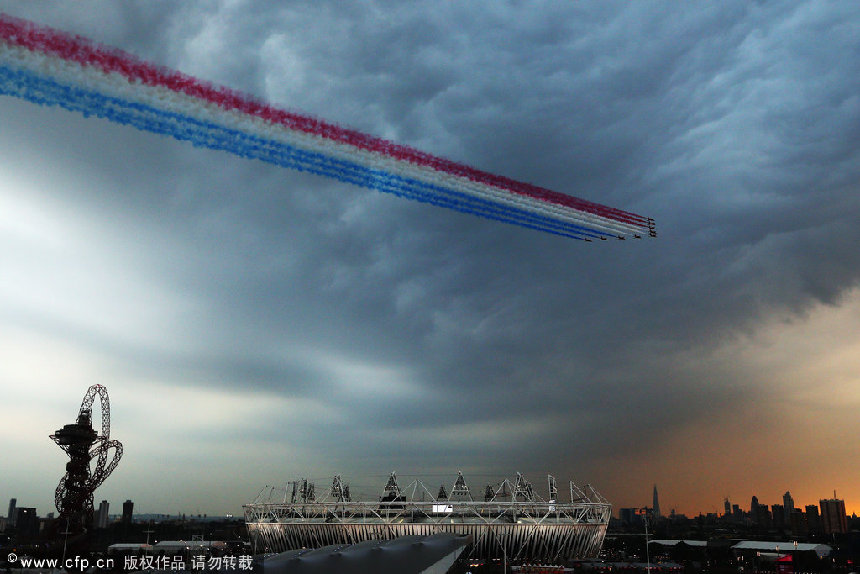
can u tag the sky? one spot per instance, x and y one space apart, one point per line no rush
255 325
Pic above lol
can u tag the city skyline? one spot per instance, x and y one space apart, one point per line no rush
848 506
255 325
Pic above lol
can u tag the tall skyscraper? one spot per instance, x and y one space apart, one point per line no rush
27 522
833 518
10 518
778 512
754 512
813 519
127 509
656 504
798 524
787 506
101 518
765 519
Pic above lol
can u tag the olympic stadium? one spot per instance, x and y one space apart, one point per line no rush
508 520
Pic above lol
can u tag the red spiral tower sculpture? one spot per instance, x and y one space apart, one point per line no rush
83 444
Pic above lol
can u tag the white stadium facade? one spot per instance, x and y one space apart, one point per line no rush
508 520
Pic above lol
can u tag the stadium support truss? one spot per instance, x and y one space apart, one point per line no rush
509 519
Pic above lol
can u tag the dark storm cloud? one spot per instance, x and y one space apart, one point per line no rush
733 124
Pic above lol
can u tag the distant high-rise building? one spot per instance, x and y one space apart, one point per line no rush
727 506
797 520
625 515
10 518
127 510
813 521
778 515
101 518
631 516
27 522
833 518
754 512
787 506
764 517
656 502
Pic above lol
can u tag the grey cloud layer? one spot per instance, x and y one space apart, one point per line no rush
734 125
